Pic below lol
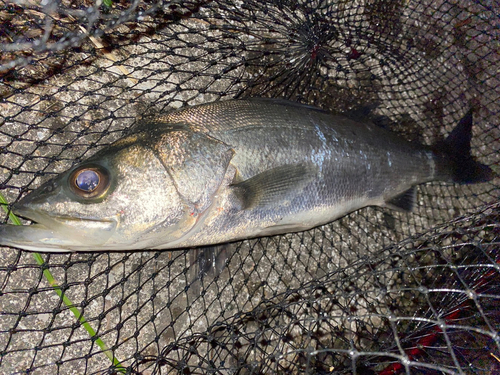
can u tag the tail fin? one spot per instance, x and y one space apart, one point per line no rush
454 159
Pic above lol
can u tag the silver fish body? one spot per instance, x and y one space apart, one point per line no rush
231 170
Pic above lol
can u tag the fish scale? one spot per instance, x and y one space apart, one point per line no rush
231 170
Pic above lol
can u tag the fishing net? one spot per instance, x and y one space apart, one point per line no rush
376 292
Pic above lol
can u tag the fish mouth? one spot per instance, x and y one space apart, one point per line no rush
55 222
56 233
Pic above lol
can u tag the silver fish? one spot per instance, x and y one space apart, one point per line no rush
231 170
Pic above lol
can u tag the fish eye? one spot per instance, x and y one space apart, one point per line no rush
89 181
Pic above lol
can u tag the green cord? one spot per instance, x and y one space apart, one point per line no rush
48 275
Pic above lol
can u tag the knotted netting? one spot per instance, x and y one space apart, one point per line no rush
376 292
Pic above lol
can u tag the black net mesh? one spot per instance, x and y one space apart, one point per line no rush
376 292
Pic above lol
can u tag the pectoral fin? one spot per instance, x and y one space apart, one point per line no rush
404 201
274 186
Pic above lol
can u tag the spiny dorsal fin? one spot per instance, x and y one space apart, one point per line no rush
287 103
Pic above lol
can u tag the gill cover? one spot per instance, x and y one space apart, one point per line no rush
196 162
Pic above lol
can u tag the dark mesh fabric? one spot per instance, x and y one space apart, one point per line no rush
376 292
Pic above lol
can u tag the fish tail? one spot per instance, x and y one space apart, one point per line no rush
454 162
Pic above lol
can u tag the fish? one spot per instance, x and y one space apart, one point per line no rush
231 170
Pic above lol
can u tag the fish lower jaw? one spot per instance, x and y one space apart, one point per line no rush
85 223
34 237
58 234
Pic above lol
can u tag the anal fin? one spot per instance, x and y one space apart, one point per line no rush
404 201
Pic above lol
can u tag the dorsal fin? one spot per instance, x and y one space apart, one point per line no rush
287 103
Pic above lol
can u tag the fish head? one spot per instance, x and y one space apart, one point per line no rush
112 201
